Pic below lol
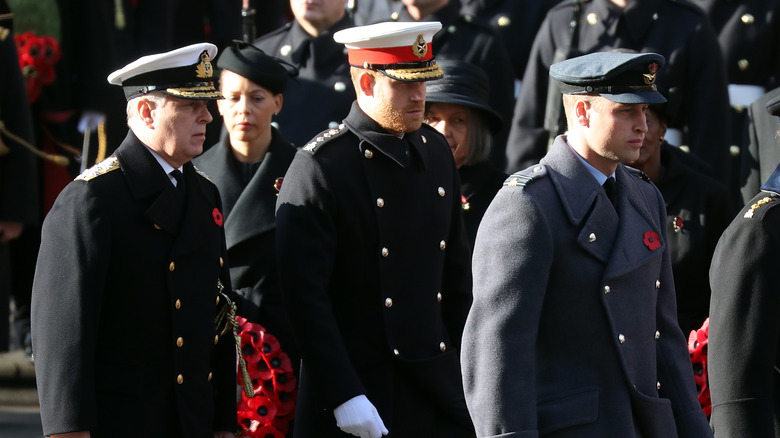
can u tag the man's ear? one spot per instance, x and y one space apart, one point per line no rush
145 108
581 108
366 82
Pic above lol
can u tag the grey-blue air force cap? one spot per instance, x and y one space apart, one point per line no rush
620 77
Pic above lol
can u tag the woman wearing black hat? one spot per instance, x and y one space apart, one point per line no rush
247 166
457 107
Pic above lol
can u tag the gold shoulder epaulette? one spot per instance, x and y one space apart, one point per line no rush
202 173
103 167
752 210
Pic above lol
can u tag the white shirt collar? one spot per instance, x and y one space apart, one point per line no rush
167 168
600 177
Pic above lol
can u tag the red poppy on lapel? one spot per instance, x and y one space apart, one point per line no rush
464 203
651 240
217 216
678 224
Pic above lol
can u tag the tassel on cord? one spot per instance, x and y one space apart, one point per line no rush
226 320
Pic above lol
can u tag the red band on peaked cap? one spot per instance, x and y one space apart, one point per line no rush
386 55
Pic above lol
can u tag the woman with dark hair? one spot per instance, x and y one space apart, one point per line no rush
457 107
248 165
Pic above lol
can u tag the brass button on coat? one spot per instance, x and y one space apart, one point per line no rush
210 376
368 153
396 352
180 379
380 202
157 227
657 334
179 341
658 284
177 304
441 191
216 339
657 385
438 297
621 339
172 266
607 289
221 262
592 237
385 252
388 302
442 245
442 346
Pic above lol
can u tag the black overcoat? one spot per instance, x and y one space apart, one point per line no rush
698 209
375 273
693 72
250 232
124 302
744 334
573 329
478 183
320 97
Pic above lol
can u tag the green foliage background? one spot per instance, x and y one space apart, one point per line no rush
39 16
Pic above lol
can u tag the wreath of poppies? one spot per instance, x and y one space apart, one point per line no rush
697 347
268 414
37 57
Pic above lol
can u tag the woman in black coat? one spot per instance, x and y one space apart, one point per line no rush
457 107
247 166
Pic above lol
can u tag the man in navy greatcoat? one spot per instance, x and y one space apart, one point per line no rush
123 327
573 329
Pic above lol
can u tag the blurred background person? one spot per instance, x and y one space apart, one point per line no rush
457 106
747 32
322 94
762 154
248 165
698 209
679 31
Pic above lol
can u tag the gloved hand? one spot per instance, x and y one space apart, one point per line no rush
357 416
90 120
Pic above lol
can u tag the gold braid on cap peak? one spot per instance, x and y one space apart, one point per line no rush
433 71
207 91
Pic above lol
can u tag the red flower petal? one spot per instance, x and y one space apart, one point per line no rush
217 216
651 240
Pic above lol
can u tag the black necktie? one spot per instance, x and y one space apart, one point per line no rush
610 187
179 177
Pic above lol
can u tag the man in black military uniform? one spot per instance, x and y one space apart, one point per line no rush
744 351
763 149
321 95
124 331
19 203
573 330
373 256
515 21
464 40
747 30
676 30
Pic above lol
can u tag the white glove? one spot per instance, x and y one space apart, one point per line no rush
357 416
90 120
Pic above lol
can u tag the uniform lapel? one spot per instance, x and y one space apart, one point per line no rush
633 246
147 180
583 200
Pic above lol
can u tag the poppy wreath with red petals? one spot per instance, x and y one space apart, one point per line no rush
270 412
697 347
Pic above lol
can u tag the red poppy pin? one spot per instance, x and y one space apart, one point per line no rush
651 240
278 184
217 216
678 224
464 203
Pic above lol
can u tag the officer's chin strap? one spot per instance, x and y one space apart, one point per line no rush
226 320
